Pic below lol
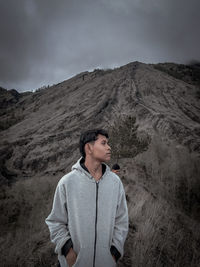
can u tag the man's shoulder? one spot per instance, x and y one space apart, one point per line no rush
114 177
68 177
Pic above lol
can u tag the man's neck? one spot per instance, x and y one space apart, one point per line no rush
94 167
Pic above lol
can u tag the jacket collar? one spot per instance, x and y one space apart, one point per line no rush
80 166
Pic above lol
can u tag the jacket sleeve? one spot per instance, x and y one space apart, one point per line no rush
121 223
57 220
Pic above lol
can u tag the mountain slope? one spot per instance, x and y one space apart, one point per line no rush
154 124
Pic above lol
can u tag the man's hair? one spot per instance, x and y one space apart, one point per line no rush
90 136
116 167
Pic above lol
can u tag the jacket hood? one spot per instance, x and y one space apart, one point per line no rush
77 166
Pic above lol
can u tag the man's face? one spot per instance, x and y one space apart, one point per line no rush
100 149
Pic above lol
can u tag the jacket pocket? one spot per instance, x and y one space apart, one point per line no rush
113 260
104 258
83 258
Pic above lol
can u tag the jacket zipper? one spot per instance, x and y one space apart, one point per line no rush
95 241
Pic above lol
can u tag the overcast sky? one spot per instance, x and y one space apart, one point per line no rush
47 41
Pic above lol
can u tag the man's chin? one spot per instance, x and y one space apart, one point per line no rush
107 158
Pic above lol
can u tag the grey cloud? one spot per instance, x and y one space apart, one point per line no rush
44 42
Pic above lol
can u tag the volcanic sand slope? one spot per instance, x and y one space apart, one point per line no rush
153 120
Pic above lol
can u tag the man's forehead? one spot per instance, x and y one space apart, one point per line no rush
101 137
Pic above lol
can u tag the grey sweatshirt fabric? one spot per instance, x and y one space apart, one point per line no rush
93 214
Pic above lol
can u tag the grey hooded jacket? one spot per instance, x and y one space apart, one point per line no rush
92 214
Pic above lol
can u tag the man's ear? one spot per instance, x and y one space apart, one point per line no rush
88 148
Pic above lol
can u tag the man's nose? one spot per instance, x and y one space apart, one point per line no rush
109 147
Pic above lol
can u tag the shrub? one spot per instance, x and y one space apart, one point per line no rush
124 139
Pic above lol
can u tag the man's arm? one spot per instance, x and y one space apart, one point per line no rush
57 220
121 226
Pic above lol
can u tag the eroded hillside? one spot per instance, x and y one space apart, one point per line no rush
154 123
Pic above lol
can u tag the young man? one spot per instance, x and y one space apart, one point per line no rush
89 219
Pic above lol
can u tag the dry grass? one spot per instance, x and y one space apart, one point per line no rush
159 235
24 235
